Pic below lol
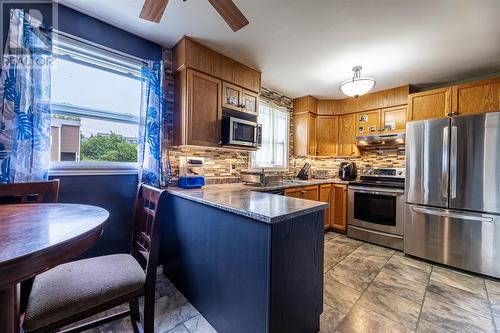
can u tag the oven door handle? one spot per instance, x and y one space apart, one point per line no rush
390 194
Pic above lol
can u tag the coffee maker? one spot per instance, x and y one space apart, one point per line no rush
348 171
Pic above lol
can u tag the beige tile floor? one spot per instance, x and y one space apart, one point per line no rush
367 289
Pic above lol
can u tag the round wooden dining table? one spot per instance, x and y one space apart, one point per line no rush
36 237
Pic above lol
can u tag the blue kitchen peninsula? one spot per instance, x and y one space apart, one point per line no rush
248 261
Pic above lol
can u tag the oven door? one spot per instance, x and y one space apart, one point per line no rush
243 132
379 209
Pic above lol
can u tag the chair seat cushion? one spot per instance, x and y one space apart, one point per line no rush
77 286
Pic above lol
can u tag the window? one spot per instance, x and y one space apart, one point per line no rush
96 97
275 138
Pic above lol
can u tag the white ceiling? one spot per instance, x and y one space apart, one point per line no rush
309 46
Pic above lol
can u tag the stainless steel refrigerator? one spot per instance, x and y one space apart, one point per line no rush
452 192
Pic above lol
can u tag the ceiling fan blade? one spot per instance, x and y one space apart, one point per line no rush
230 13
153 10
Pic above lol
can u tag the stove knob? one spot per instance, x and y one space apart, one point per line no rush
400 173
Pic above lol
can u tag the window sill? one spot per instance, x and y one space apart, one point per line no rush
270 169
92 168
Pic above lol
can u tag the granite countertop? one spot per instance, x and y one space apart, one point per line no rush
253 202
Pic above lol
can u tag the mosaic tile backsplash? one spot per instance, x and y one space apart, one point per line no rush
223 166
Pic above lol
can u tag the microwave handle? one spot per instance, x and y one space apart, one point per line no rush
257 139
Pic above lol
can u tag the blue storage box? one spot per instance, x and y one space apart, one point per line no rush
191 181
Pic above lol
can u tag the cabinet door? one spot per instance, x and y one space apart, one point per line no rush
231 96
339 207
327 133
325 195
312 149
250 102
393 120
204 109
429 104
478 97
368 122
310 193
301 134
295 192
347 131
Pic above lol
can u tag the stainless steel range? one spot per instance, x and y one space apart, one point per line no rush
375 210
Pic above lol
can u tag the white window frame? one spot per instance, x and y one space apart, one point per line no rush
81 51
251 165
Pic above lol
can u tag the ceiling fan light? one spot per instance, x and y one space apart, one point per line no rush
358 85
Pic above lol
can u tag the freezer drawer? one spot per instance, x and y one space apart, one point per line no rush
469 241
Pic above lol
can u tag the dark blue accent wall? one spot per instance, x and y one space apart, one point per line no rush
116 193
80 25
89 28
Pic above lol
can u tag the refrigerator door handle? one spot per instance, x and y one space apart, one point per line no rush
453 162
451 214
445 164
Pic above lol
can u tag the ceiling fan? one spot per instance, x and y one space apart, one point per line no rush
153 11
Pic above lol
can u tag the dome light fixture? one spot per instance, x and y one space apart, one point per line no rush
358 85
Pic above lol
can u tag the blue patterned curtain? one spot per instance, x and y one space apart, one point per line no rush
152 106
25 101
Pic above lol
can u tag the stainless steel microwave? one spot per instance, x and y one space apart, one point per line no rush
241 132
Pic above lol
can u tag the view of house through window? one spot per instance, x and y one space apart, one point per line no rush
95 106
275 138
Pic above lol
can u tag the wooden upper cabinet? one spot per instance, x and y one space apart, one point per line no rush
203 111
339 207
429 104
305 104
312 139
477 97
393 120
231 96
304 142
239 99
325 195
250 102
347 131
188 53
368 122
327 135
329 107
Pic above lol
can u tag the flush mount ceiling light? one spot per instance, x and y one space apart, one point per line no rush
358 85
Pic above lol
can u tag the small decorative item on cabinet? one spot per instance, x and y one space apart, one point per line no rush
361 129
390 126
363 117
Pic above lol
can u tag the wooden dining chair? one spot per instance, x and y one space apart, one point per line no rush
36 192
77 290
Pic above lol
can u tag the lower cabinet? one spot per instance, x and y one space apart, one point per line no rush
307 192
339 207
325 195
333 194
